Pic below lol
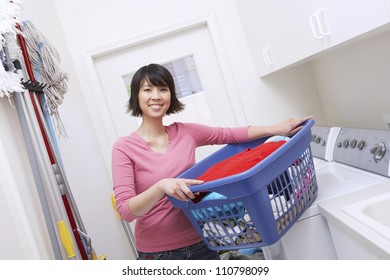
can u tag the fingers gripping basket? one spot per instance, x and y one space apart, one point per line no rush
257 207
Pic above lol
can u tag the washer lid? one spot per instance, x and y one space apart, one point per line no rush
336 179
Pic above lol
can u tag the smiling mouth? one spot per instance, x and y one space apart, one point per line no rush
156 106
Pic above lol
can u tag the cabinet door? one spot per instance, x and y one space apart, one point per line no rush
348 19
279 32
387 3
283 32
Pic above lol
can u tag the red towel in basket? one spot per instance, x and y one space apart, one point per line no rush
238 163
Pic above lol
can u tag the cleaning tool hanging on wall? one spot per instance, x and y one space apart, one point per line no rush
45 63
45 180
41 176
38 98
9 16
9 81
12 88
37 94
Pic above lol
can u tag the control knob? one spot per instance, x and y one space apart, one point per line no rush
379 151
346 143
353 143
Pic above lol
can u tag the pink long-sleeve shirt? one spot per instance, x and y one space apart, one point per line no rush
136 167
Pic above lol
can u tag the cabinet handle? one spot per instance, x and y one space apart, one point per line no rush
312 17
267 60
315 20
321 23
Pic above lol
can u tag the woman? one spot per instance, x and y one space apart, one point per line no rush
146 162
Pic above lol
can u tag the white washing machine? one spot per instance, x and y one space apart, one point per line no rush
346 160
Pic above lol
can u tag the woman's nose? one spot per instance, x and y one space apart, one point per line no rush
156 94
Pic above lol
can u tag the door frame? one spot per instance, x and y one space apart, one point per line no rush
95 100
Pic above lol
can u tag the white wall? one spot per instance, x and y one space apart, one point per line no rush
76 27
354 83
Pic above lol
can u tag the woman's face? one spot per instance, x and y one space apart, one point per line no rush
154 101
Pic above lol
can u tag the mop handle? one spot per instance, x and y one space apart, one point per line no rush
38 179
61 185
38 114
31 76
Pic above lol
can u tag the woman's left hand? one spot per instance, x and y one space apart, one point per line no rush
290 126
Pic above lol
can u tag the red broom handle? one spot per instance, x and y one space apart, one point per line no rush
31 76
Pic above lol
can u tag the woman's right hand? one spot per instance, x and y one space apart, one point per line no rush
178 187
175 187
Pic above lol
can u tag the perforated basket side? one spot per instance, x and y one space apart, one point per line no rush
261 218
260 205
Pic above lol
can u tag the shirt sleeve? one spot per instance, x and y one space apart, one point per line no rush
123 179
209 135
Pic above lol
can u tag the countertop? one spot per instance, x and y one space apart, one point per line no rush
333 211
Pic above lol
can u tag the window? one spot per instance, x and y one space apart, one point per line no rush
188 89
184 73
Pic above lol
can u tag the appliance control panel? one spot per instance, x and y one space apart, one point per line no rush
319 140
323 141
365 149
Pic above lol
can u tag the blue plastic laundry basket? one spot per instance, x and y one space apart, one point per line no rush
257 207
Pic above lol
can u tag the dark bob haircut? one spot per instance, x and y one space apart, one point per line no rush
156 75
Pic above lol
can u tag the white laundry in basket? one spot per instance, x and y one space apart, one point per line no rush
227 234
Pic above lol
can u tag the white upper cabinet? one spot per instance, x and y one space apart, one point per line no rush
282 32
350 18
388 6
